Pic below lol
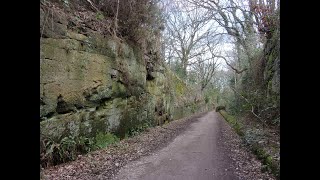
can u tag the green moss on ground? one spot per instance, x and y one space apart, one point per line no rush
233 122
268 163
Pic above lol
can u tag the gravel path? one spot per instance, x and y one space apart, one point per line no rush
199 147
195 154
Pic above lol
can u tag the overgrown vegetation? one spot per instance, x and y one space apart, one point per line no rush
251 140
102 140
237 126
267 160
70 147
138 22
133 19
138 129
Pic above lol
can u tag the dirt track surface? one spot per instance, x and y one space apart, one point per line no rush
194 154
199 147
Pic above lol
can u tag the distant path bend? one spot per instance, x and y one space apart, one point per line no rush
198 153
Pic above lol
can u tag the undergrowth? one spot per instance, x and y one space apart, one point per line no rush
137 130
234 123
70 147
268 163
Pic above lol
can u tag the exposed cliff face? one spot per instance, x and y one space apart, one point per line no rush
93 83
271 74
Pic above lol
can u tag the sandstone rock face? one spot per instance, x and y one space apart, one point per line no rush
90 83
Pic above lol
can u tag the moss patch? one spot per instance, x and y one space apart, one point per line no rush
234 123
269 164
267 160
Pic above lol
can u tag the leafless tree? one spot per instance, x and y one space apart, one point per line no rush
237 20
187 34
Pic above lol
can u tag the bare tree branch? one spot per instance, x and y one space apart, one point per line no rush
235 69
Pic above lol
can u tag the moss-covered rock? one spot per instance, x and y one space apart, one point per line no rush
91 83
